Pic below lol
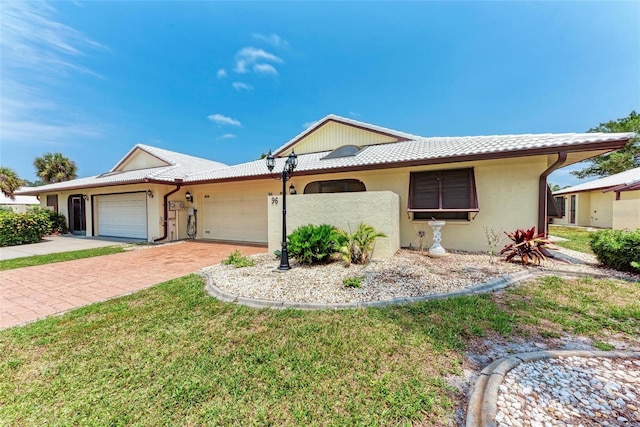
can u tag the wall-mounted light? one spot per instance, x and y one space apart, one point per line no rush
188 196
85 197
292 190
150 194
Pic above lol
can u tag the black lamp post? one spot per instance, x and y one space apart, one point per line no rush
287 171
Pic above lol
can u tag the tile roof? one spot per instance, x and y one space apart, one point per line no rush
413 150
625 178
19 200
427 150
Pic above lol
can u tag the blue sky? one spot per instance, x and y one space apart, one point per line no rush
228 81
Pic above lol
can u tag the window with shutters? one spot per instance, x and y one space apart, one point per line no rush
445 194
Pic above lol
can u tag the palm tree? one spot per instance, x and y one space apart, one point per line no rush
9 181
54 167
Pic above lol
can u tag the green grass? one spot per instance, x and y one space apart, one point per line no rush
593 308
57 257
579 238
171 355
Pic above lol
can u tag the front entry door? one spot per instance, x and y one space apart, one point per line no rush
572 219
77 221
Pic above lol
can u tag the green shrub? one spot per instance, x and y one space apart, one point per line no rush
353 282
19 229
237 259
314 244
58 221
358 247
616 248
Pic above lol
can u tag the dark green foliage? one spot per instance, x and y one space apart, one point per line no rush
314 244
9 181
54 167
358 247
58 221
527 245
618 249
237 259
18 229
627 157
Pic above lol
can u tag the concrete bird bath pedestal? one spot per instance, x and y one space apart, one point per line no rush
436 250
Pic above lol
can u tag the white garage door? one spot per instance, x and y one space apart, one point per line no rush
235 217
122 215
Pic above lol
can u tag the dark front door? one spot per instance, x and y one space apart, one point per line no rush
573 210
77 221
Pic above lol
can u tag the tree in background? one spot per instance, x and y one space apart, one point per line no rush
9 181
627 157
54 167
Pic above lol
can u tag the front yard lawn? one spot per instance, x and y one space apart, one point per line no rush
171 355
579 238
30 261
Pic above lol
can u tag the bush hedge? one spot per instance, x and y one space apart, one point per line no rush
18 229
618 249
314 244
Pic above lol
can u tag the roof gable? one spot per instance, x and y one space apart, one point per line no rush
334 132
139 158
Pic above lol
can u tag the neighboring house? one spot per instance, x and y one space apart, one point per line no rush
348 172
610 202
19 203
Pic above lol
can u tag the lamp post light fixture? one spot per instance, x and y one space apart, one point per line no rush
287 171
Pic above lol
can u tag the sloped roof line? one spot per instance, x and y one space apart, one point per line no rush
627 177
339 119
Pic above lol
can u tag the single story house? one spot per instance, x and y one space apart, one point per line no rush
348 172
610 202
19 203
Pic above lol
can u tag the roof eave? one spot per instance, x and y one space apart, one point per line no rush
612 145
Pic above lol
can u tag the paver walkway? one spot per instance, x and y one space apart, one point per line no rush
30 293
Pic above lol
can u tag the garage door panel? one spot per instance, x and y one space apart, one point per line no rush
122 215
235 217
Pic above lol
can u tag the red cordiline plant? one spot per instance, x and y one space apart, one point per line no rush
527 245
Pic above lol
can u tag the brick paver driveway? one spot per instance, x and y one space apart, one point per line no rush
27 294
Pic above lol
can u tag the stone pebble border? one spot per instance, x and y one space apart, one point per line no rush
490 286
483 404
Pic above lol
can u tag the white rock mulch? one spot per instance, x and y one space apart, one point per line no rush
573 391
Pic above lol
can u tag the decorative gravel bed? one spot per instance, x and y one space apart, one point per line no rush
408 274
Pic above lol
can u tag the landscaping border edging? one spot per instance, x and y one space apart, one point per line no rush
490 286
483 405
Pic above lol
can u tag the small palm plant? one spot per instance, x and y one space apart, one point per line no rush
527 245
357 248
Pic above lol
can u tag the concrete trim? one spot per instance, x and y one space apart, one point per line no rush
483 405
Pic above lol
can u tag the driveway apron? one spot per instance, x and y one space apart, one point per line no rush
31 293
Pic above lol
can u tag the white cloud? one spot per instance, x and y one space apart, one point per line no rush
221 73
264 69
271 39
248 56
228 136
219 119
41 55
307 125
239 86
354 114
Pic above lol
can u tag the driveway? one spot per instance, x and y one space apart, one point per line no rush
55 244
31 293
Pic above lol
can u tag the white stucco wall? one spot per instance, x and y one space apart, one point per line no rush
379 209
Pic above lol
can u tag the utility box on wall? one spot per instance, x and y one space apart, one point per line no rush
176 206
